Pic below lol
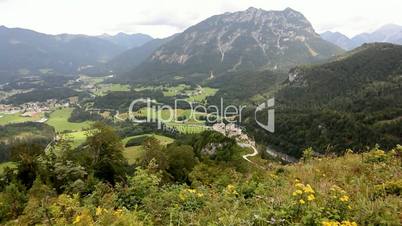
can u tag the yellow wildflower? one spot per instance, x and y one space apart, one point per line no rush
336 223
182 196
349 207
230 189
330 223
200 195
310 197
299 185
348 223
297 180
344 198
301 201
308 189
191 191
118 212
77 219
98 211
297 192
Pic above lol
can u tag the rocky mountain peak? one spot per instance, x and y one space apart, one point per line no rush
253 39
252 9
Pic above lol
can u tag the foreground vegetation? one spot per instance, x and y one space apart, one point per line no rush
187 183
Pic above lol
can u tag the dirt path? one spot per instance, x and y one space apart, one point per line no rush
255 152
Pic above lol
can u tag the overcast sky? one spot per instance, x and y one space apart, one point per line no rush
161 18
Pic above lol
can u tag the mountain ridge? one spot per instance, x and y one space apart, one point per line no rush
25 52
390 33
253 39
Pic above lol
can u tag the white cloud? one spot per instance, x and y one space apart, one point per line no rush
161 18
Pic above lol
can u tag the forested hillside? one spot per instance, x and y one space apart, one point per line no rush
353 102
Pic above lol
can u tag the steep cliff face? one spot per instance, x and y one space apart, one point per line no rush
253 39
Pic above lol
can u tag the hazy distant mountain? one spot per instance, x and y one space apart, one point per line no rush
390 33
339 39
253 39
131 58
127 60
127 41
26 52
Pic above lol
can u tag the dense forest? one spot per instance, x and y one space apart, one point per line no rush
42 95
351 102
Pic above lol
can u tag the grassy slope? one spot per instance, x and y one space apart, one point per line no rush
16 118
59 120
206 92
106 88
133 153
362 188
77 137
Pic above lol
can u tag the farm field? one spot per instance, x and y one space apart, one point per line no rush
16 118
77 138
188 128
195 95
92 80
202 94
175 90
132 154
59 120
166 114
103 89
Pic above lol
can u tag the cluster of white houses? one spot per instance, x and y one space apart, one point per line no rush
231 130
31 109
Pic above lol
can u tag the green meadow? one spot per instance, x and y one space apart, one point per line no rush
17 118
134 153
103 89
59 120
195 95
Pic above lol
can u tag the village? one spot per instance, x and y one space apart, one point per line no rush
33 109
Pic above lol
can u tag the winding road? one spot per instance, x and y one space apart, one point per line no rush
255 152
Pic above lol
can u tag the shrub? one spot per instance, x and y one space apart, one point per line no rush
389 188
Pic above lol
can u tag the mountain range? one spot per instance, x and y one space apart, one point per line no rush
130 59
26 52
253 39
390 33
230 43
127 41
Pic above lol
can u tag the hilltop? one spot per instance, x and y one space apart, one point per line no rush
253 39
